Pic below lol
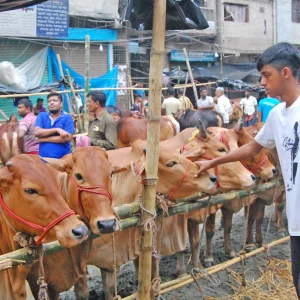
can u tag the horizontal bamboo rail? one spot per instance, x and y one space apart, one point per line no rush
187 279
128 218
98 89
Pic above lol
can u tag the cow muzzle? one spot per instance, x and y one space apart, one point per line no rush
107 226
80 232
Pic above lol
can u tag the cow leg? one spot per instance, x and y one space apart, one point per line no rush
210 231
279 207
227 219
252 216
180 265
108 284
81 289
194 238
260 213
53 295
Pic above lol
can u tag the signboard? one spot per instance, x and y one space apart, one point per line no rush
48 19
178 55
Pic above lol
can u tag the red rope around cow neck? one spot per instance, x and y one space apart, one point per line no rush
44 230
101 190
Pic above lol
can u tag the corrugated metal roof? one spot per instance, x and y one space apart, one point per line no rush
6 5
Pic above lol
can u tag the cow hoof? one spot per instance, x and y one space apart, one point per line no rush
178 274
209 263
282 233
230 254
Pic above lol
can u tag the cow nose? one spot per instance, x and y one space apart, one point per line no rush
253 177
80 232
107 226
213 178
274 172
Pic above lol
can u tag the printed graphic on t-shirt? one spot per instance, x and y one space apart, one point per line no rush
292 144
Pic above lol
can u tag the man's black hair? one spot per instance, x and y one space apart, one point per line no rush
55 94
98 96
26 102
39 100
170 91
279 56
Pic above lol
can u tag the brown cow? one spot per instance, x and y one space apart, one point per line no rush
127 188
259 164
131 129
32 195
89 170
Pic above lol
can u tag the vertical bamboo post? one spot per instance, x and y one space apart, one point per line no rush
186 81
153 136
86 79
62 76
190 74
75 102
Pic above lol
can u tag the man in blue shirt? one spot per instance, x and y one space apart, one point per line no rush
54 129
265 106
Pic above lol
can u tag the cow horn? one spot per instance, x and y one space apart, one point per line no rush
202 130
9 164
241 124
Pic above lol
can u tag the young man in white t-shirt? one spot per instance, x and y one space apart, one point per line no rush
279 66
223 106
249 106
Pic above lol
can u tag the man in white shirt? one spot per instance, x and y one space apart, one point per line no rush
171 107
249 106
223 106
205 102
279 66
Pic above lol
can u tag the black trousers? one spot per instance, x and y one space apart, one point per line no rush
295 253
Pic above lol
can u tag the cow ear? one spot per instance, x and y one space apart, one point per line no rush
6 179
138 166
193 154
118 169
63 165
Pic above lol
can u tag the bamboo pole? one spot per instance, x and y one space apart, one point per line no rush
187 279
86 78
196 202
133 220
62 76
186 80
153 137
190 74
4 115
100 89
75 101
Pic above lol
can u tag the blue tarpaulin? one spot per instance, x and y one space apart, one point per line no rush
109 80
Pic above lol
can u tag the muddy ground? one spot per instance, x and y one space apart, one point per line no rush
127 281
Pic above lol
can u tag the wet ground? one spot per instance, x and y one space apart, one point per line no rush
127 279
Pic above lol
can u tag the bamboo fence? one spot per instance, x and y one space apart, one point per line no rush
128 215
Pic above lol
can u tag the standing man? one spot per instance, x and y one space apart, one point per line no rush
27 141
279 66
137 102
265 106
171 107
249 106
102 129
39 106
223 106
185 101
54 129
205 102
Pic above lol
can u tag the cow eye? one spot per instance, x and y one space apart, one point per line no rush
30 191
78 176
171 164
222 150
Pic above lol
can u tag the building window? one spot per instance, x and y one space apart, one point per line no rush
236 13
296 11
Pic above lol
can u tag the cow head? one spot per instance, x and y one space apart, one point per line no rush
89 171
205 145
175 170
259 164
29 190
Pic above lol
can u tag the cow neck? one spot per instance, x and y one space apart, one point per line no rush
96 189
44 230
252 169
